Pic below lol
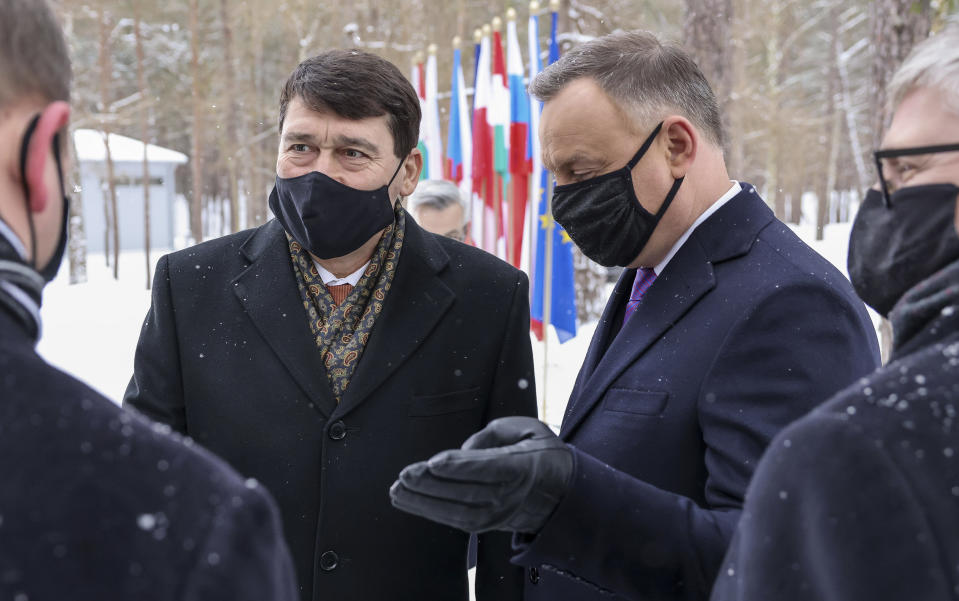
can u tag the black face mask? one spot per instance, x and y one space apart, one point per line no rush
891 249
48 271
603 216
328 218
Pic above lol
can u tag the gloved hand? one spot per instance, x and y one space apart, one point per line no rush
510 475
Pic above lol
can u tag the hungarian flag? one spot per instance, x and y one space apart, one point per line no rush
499 119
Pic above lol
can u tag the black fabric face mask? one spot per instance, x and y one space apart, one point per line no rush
603 216
328 218
891 249
48 271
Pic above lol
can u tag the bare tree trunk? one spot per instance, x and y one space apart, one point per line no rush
736 147
796 190
76 238
106 68
196 206
256 201
833 121
848 109
897 26
565 24
145 135
774 77
231 116
706 31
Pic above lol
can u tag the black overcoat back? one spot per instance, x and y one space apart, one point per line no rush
99 504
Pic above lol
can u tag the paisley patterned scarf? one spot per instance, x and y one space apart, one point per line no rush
341 332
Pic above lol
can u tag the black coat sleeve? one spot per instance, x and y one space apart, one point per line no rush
640 541
830 515
156 388
513 393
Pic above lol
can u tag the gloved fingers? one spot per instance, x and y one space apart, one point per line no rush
422 480
506 431
488 466
444 511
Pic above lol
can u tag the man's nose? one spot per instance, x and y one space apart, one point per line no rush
327 164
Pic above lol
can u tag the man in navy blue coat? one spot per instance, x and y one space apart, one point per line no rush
96 502
724 329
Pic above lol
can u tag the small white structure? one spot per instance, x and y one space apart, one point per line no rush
127 155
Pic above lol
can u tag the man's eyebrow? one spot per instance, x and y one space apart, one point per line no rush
565 163
361 143
299 137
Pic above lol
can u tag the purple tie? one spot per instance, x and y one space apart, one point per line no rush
644 279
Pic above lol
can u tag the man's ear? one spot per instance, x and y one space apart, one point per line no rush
40 150
682 143
410 172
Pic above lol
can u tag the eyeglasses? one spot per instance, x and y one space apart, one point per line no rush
891 174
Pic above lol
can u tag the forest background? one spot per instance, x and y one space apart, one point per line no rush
801 83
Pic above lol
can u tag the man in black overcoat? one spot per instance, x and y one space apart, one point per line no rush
323 351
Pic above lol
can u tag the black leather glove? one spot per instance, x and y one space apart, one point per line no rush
510 475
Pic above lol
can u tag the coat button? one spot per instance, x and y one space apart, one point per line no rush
338 430
329 561
534 575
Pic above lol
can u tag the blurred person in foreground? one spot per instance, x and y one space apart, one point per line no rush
324 350
724 328
95 502
440 207
860 499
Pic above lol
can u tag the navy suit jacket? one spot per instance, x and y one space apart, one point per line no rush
744 331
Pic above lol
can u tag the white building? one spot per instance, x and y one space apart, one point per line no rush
127 155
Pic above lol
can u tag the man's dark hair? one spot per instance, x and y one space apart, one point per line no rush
34 61
644 76
356 85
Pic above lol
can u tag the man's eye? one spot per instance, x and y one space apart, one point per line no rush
300 148
352 153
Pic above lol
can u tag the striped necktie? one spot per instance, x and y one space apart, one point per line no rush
339 292
644 279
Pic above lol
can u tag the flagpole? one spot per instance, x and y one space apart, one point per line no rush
534 180
547 287
511 194
499 182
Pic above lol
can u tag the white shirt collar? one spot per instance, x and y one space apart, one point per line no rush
733 191
331 280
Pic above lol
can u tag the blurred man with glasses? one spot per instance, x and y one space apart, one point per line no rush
860 499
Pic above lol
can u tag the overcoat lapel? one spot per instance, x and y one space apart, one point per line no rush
607 327
267 291
416 302
684 281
